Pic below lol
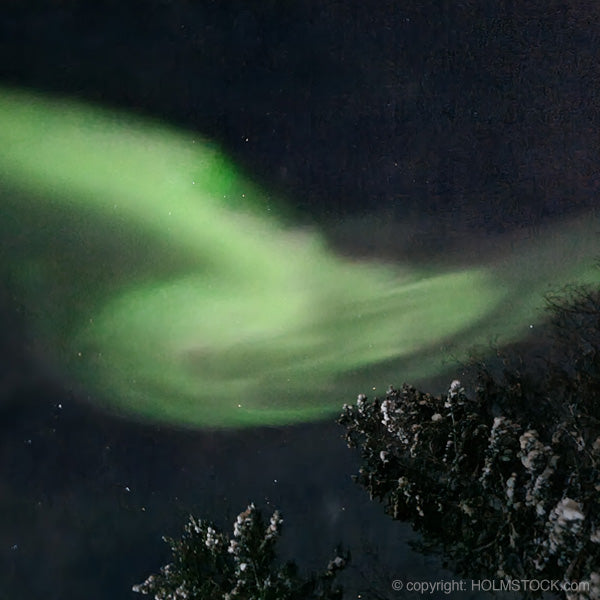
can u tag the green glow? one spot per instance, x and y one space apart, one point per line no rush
155 276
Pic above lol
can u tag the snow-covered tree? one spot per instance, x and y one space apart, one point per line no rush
207 564
506 482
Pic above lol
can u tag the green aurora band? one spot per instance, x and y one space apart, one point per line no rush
154 276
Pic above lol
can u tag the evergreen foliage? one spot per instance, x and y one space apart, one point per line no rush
207 564
507 482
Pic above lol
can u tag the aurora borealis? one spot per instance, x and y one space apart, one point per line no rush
169 286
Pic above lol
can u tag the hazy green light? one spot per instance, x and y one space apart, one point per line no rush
154 275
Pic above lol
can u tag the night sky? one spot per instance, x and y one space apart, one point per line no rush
469 117
485 113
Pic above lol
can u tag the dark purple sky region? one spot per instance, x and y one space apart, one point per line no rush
484 112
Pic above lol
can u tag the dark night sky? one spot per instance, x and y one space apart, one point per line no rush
483 111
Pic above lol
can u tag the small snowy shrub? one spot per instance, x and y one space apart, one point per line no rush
209 565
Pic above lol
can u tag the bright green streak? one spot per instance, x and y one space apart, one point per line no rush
154 276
